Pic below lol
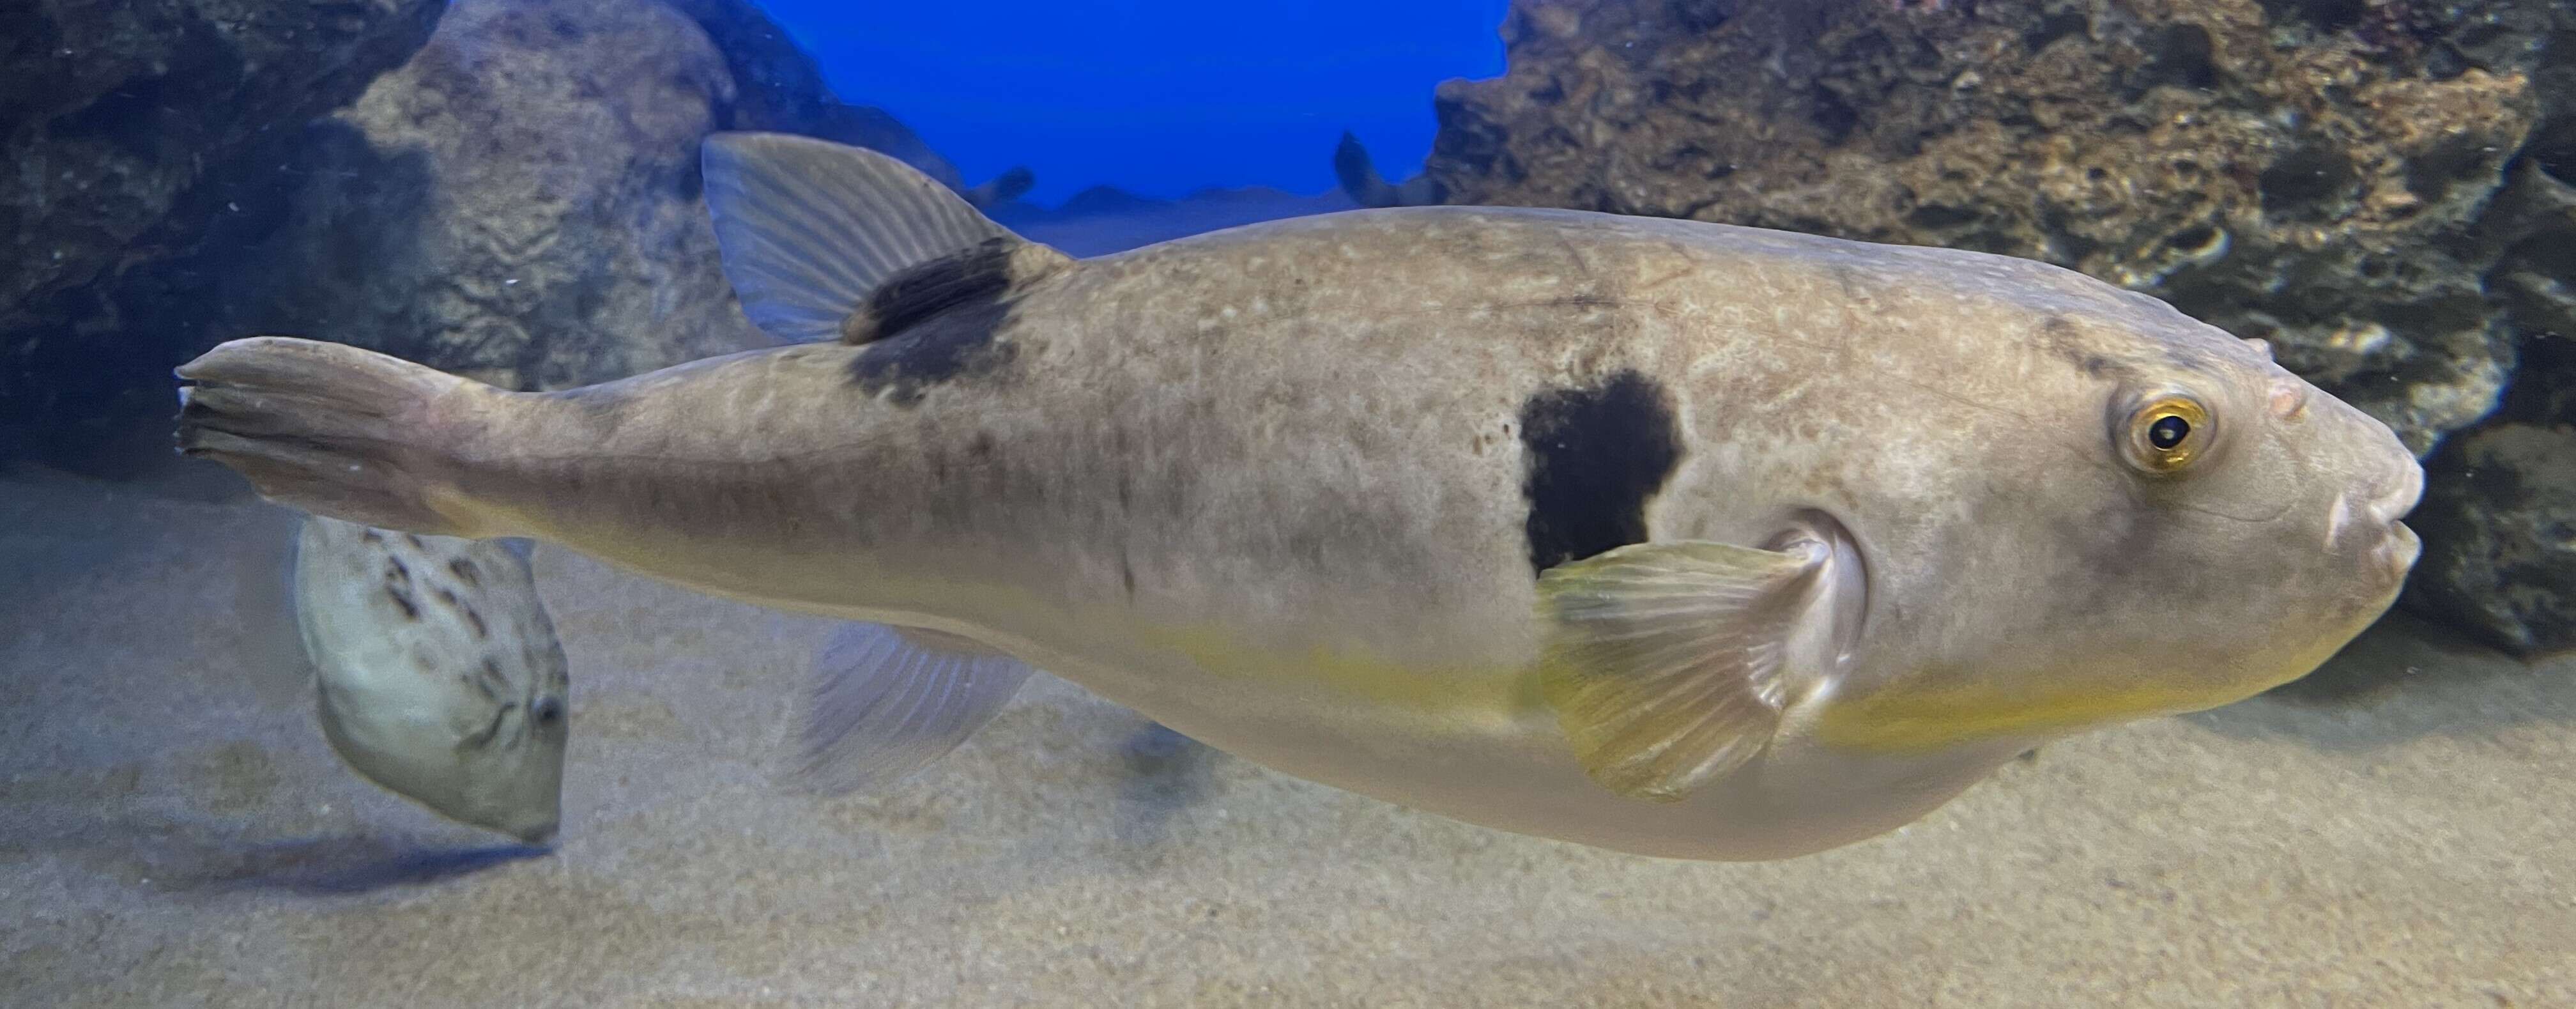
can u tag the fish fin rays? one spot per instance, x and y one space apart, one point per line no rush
1668 663
887 702
812 231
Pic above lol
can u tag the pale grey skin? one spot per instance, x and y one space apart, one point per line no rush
1266 486
438 673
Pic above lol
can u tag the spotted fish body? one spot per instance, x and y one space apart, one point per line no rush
439 676
1669 537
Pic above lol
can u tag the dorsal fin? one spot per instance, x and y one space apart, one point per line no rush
823 240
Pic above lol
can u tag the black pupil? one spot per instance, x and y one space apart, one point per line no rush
2168 432
548 710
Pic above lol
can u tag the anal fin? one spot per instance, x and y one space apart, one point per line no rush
888 701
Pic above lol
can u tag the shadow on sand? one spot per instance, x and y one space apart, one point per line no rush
203 857
327 866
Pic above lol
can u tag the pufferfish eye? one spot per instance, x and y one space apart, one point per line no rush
547 711
2168 433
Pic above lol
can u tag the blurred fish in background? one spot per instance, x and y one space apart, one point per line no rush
438 675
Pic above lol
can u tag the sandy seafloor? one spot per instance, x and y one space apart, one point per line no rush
174 831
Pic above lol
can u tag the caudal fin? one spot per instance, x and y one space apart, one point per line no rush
325 427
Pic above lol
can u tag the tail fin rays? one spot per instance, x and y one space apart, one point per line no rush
327 428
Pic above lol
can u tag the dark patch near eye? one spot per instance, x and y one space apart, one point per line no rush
410 609
1596 456
465 571
957 345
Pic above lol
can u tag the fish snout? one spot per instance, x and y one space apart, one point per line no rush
2400 549
2367 520
2399 496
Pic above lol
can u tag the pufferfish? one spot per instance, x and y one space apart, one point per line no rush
437 672
1662 536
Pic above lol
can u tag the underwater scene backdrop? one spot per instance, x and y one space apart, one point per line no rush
511 190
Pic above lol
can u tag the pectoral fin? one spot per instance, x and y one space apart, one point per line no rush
1666 662
888 702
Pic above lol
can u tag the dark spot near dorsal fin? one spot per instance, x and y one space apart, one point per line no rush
957 344
602 409
1596 455
938 321
2064 338
977 273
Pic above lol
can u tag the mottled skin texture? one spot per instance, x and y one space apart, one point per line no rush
1271 487
438 674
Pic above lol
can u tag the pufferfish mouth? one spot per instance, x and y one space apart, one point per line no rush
2394 547
2401 498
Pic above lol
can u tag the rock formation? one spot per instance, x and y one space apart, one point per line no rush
111 114
2378 187
518 201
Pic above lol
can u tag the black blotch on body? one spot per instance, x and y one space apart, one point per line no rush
935 323
957 345
1596 456
465 572
410 609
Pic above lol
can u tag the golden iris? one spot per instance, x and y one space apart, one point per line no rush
2169 433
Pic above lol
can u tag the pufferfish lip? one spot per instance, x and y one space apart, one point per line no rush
2365 520
2401 498
2399 549
2398 546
